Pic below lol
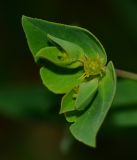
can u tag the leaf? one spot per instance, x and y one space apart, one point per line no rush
68 53
86 93
72 116
87 125
36 31
52 54
73 51
59 81
68 102
69 58
79 97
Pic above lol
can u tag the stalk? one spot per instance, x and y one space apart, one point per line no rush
126 74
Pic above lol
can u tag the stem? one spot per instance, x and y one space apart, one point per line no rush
126 74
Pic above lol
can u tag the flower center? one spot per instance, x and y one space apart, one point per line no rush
93 67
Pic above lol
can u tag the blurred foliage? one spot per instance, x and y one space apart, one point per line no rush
26 101
124 108
126 94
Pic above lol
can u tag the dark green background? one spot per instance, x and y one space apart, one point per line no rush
114 22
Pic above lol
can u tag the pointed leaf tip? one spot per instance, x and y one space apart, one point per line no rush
36 31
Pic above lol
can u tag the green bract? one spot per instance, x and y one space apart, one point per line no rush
74 63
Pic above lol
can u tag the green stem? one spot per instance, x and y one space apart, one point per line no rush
126 74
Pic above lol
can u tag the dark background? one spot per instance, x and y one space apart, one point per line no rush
27 133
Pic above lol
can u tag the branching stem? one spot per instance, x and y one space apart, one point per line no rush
126 74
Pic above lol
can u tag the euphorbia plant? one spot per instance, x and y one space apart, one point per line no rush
74 63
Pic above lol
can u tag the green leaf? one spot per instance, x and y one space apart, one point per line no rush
86 93
58 80
87 125
73 51
72 116
68 102
69 58
79 97
71 55
52 54
36 31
